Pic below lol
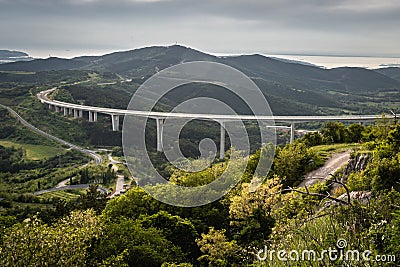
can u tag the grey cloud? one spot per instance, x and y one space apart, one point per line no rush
233 25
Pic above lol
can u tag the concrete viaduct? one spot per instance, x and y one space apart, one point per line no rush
77 111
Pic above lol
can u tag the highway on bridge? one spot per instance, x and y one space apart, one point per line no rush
77 111
43 97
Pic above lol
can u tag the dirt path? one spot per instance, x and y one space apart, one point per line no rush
331 166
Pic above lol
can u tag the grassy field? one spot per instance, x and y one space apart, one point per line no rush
65 195
18 72
31 205
34 152
325 151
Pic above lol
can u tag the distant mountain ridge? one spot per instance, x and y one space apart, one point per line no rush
290 87
7 56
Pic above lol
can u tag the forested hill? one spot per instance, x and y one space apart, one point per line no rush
291 88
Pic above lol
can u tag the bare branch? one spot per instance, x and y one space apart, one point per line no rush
290 189
345 187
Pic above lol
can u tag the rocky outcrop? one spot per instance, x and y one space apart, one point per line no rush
356 164
362 196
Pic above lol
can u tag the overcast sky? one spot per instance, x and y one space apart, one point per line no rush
319 27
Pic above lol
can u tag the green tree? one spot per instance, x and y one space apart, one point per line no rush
392 243
131 205
354 133
292 162
393 139
117 151
251 212
313 139
334 132
66 243
218 250
93 199
385 174
138 246
84 176
379 131
180 232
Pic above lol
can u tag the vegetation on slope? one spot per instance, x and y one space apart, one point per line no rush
137 230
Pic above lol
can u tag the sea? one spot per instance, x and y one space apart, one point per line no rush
330 62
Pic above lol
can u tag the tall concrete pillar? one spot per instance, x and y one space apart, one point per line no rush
70 111
75 113
95 116
80 113
160 129
65 111
90 116
222 141
50 106
292 133
115 122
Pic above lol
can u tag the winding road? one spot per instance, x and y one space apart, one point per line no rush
97 158
67 187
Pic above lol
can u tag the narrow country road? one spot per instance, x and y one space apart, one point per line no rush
67 187
64 182
120 178
331 166
113 161
119 186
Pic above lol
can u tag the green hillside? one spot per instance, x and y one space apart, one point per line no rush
290 88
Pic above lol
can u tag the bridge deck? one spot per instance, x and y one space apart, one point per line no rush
218 117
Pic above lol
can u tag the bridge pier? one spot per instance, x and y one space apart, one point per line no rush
65 112
94 116
160 130
292 133
50 106
80 113
75 113
222 141
90 116
115 122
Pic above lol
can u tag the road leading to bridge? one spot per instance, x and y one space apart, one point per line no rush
97 158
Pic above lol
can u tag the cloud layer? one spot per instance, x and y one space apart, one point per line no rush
341 27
